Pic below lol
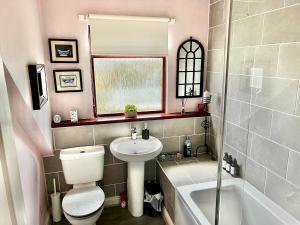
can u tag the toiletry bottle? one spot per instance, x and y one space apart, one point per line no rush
145 132
224 161
187 150
229 162
234 168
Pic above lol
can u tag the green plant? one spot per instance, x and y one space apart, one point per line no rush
130 108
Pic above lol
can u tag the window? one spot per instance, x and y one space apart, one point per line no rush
128 80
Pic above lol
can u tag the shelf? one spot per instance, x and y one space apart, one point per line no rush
122 119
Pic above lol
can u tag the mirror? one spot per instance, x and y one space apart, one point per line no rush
190 65
38 83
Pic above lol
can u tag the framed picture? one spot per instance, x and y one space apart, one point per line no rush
67 80
63 50
38 83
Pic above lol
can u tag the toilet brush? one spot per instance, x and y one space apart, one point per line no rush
56 205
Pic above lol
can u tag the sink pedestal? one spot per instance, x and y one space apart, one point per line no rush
135 188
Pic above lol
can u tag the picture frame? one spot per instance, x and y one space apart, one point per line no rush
38 84
63 50
67 80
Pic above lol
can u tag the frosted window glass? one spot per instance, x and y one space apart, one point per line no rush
121 81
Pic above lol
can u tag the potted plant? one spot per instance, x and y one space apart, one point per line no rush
130 111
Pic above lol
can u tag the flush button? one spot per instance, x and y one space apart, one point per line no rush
82 151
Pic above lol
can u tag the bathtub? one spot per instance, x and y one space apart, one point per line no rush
241 204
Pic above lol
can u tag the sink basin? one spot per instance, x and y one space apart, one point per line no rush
138 150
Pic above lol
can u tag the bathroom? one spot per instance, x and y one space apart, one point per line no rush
211 118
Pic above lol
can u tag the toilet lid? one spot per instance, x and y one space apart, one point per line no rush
83 201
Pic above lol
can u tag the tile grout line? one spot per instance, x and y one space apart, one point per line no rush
267 169
266 12
261 136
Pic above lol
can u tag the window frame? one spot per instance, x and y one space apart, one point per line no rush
163 100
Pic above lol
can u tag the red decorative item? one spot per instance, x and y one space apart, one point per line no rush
201 107
123 200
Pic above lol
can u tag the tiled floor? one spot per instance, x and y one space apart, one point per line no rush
119 216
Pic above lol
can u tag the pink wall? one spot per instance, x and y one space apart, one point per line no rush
21 43
60 21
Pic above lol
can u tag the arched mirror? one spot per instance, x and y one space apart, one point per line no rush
190 66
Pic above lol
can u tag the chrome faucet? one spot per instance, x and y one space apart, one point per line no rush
133 133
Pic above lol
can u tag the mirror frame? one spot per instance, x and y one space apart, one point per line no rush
201 66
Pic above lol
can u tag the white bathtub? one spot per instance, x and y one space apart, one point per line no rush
241 204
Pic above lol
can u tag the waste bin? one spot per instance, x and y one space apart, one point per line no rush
153 199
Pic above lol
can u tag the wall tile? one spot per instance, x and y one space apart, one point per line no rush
217 37
293 174
291 2
285 130
121 187
274 92
269 154
255 174
239 88
256 7
214 125
266 58
216 14
236 61
280 26
63 185
298 102
230 150
240 9
69 137
106 133
49 182
245 115
232 111
198 128
52 163
215 60
247 32
214 82
215 104
155 127
116 173
170 144
260 120
284 194
108 157
176 127
249 60
109 190
237 137
289 60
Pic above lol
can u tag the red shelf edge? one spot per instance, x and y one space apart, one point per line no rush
122 119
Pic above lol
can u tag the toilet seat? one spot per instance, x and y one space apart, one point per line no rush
81 202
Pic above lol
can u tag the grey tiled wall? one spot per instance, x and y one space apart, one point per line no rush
262 119
171 132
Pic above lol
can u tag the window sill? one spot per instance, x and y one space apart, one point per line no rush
122 119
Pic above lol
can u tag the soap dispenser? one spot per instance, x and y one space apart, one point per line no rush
224 161
145 132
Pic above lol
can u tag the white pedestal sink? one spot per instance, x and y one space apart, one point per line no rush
135 152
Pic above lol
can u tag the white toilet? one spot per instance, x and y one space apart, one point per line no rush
82 167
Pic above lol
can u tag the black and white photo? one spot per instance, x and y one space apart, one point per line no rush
67 80
63 50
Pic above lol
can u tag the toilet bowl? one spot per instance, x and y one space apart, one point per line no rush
83 166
